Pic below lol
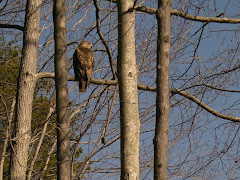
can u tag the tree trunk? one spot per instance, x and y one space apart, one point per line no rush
26 84
162 99
127 75
61 81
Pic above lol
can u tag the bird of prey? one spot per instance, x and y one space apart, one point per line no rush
83 64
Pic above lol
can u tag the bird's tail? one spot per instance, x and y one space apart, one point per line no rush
82 86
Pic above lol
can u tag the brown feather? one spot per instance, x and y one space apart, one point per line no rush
83 64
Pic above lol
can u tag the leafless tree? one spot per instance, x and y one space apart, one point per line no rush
128 93
26 84
162 84
61 83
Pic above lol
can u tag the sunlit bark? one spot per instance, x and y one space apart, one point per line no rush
127 75
26 84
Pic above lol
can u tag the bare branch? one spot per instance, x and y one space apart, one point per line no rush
151 89
95 81
187 16
204 106
146 9
109 116
12 26
50 112
48 158
103 39
221 89
8 131
204 19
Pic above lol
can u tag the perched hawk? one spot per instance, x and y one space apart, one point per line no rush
83 63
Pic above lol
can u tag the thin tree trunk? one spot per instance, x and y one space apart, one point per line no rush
7 136
162 99
61 82
26 84
127 75
44 130
47 160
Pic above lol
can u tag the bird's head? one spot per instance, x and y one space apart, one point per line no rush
85 44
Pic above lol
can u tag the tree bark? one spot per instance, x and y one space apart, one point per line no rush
127 75
162 83
61 83
26 84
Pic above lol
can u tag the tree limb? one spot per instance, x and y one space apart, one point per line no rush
51 110
12 26
182 14
204 19
94 81
7 132
204 106
151 89
103 39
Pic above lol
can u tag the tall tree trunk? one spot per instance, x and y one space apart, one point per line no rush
162 99
61 81
26 84
127 75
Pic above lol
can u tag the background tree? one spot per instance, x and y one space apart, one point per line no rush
9 70
61 83
9 66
